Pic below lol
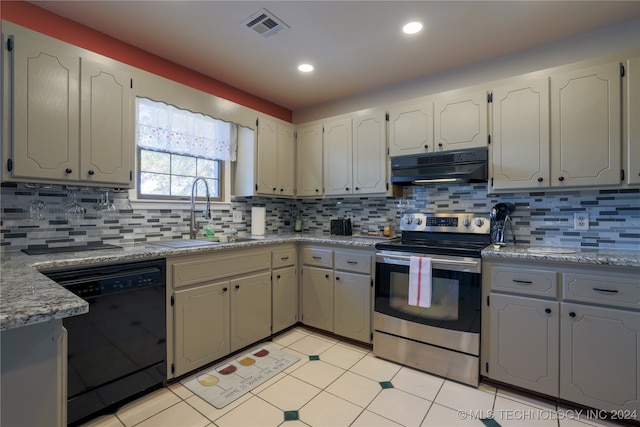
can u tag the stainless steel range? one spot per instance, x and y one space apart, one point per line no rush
442 338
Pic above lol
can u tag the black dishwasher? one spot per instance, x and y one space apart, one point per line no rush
118 349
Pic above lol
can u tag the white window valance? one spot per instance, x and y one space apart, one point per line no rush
165 128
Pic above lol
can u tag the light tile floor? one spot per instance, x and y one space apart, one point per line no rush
348 386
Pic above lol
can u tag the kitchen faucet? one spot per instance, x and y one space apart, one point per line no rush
193 229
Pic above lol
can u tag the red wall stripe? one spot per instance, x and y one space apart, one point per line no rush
35 18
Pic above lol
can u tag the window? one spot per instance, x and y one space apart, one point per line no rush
175 146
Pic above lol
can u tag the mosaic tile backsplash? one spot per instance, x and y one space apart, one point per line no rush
542 218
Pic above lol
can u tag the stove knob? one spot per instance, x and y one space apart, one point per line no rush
479 222
408 220
418 221
466 222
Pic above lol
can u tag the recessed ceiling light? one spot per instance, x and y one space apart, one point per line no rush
305 68
412 27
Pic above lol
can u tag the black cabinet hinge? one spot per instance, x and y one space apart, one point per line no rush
492 181
386 116
486 367
622 70
490 97
256 122
9 165
371 336
621 174
256 187
372 282
131 83
130 175
10 44
173 300
488 300
489 139
387 186
173 368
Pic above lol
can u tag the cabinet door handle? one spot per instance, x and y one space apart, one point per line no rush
68 170
540 179
326 276
347 188
547 310
352 262
609 291
90 172
561 178
337 278
278 277
524 282
440 144
426 146
237 286
274 188
572 314
317 257
357 188
284 258
225 289
281 190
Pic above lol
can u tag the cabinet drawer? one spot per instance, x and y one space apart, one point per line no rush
622 290
187 271
358 262
542 283
283 257
317 256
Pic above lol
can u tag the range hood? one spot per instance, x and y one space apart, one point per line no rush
449 166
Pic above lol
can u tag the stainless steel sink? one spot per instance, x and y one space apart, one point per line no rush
184 243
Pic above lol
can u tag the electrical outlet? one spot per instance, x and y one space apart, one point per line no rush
581 221
237 216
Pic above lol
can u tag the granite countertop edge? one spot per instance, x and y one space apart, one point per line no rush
28 297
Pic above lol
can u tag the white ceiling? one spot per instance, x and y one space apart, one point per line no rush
355 46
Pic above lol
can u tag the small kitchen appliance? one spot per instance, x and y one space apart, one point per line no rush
341 227
443 338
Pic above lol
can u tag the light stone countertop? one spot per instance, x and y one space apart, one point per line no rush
29 297
567 255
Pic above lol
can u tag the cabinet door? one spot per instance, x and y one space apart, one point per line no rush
201 322
285 298
286 161
520 136
106 134
337 157
585 127
633 124
352 306
250 310
600 357
370 154
461 122
46 111
309 148
523 346
317 298
411 129
267 170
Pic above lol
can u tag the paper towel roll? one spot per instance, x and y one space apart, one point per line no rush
258 215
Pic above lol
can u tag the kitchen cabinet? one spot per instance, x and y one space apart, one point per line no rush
309 150
460 121
337 146
34 375
586 127
411 129
285 288
221 302
71 117
275 158
632 122
579 342
520 136
336 291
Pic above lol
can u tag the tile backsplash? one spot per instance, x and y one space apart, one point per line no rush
541 218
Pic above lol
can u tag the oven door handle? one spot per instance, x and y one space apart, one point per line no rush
435 262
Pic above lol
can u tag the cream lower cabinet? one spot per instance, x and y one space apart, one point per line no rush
336 291
221 303
284 288
579 343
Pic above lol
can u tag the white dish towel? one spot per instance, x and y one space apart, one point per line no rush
420 281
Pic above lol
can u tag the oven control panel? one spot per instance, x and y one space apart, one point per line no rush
446 222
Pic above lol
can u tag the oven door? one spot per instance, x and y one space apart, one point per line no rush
456 291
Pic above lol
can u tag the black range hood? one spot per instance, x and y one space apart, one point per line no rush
449 166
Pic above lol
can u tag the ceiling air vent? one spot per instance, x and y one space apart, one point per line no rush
264 23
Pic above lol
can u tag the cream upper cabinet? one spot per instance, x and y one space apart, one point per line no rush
275 158
370 153
520 136
309 149
586 127
632 121
72 117
337 143
411 129
460 121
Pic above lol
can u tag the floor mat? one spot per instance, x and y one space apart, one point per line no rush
235 377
